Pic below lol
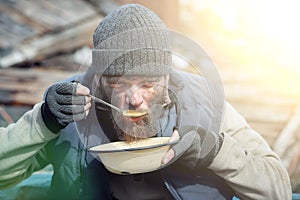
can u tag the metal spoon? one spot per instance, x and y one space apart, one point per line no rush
126 113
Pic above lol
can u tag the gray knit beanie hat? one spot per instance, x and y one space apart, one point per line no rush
131 40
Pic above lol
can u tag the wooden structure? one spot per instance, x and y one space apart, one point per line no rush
32 30
44 37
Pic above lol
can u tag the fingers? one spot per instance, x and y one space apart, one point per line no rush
65 88
65 102
87 108
175 136
82 90
167 157
73 93
72 109
170 154
73 99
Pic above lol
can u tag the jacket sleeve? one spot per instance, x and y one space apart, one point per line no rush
248 164
21 149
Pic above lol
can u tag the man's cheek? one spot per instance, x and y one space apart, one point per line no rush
155 98
108 93
149 95
119 101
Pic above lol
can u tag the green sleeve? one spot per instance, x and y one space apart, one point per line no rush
22 147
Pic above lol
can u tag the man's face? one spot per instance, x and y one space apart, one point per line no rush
135 93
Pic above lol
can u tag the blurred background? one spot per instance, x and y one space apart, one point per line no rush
254 44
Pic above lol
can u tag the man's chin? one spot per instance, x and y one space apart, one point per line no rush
135 128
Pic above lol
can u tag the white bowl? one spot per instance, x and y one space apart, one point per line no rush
136 157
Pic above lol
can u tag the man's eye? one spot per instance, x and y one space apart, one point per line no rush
117 85
149 84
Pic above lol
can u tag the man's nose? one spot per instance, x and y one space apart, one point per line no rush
134 100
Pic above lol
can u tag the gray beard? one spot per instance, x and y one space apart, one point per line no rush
131 131
144 128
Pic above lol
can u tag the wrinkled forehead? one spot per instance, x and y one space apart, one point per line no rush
133 79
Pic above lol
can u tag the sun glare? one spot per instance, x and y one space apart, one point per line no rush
261 35
278 21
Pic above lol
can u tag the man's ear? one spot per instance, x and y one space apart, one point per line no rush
166 97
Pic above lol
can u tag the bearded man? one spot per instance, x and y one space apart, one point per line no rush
131 69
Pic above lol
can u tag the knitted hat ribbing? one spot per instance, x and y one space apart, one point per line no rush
132 40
